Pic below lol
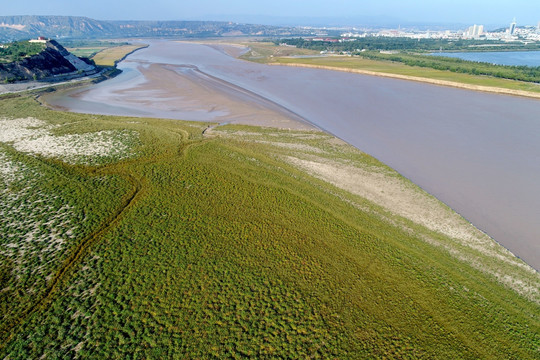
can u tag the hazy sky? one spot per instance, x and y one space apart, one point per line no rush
527 12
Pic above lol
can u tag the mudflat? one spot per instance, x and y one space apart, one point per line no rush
477 152
180 92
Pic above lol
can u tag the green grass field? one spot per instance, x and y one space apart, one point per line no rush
87 52
110 56
225 245
107 55
262 51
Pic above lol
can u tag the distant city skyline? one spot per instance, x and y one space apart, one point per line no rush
338 12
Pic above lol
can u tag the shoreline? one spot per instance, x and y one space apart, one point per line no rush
211 99
479 88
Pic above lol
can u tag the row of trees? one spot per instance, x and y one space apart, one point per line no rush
521 73
404 49
405 44
18 50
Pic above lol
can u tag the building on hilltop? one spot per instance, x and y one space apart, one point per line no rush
40 39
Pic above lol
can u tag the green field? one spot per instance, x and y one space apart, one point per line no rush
110 56
262 51
89 48
103 53
183 241
86 52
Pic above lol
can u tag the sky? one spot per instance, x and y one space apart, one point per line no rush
488 12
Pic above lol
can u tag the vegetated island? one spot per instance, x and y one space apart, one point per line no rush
155 238
407 65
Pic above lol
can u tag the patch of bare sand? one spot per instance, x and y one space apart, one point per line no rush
35 136
186 89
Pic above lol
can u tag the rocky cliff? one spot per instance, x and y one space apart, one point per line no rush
55 60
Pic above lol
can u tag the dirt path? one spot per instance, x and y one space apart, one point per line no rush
9 330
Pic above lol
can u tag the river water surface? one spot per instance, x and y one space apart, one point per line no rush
517 58
477 152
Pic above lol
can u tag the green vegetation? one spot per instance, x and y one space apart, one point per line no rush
45 214
262 51
218 245
392 67
16 51
111 56
520 73
89 48
377 43
409 55
86 43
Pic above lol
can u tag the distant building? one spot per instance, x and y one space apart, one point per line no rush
40 39
474 32
512 28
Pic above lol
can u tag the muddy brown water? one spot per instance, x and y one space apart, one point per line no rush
477 152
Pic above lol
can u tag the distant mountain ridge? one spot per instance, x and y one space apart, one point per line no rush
27 26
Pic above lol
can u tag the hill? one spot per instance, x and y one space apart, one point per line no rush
147 238
48 60
25 27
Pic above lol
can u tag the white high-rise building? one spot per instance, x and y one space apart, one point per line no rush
475 31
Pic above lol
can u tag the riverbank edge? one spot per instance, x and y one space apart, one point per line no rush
480 88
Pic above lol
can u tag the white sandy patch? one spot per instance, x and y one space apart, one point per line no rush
33 223
13 130
35 136
103 143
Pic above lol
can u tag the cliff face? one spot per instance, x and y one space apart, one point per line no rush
54 60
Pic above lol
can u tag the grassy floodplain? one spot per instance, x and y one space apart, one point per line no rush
264 53
111 56
240 241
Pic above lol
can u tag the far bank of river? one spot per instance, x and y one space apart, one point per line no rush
477 152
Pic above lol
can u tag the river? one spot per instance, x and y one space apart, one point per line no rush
477 152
